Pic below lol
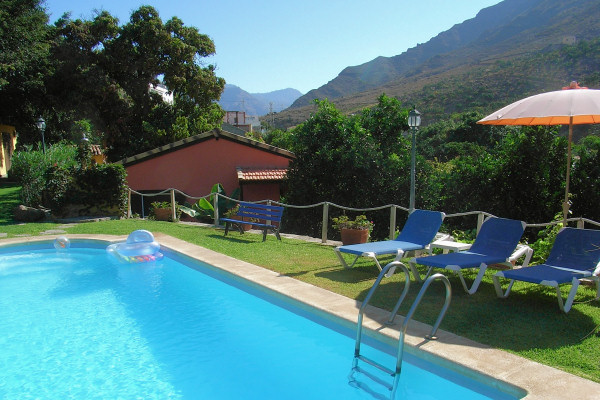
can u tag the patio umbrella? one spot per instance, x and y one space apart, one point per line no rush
574 105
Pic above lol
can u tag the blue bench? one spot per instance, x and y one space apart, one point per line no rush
262 216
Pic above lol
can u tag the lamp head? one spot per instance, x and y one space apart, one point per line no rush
414 118
41 124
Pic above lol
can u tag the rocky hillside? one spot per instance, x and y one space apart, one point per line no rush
507 51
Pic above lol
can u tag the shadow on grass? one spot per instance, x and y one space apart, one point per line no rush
528 319
330 272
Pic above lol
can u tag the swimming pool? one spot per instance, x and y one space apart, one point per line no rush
76 324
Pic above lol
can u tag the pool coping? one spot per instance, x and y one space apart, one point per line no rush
506 370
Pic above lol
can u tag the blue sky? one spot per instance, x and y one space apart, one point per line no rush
266 45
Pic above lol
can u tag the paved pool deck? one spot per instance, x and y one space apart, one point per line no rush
513 374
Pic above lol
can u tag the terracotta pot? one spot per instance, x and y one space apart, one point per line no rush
162 214
354 236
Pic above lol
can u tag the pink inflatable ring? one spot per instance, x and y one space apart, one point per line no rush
140 246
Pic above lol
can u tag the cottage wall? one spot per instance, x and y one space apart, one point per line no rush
196 168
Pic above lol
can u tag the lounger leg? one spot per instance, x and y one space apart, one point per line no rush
344 264
476 282
415 271
498 286
569 303
396 261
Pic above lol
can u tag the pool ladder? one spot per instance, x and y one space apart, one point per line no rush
391 267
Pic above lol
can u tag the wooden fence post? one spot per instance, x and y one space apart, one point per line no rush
173 206
392 222
480 218
216 208
268 222
325 219
128 203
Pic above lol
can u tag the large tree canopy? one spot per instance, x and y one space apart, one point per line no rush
98 74
104 72
23 59
363 161
357 161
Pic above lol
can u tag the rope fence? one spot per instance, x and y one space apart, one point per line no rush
481 215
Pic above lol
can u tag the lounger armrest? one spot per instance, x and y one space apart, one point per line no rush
520 251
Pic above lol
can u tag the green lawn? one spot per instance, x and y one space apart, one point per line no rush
528 323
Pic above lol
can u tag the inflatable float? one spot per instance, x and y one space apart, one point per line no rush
139 247
62 243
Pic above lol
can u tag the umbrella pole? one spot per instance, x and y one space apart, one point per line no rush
566 203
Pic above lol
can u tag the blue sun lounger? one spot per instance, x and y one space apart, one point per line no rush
419 230
495 243
574 255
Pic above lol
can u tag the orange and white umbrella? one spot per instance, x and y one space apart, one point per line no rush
574 105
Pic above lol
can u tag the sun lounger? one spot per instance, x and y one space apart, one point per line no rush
495 243
575 255
419 230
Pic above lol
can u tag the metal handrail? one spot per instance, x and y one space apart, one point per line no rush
361 311
408 317
391 267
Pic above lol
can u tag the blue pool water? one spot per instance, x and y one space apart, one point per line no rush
78 325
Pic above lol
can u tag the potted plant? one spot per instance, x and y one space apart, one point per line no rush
232 214
353 231
162 210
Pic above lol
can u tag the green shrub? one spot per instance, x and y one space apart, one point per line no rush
100 188
57 180
542 246
29 168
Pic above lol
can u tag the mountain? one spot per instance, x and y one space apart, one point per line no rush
237 99
499 56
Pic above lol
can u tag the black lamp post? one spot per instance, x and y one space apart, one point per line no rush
414 121
41 124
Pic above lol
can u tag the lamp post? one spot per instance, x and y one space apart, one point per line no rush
414 120
41 124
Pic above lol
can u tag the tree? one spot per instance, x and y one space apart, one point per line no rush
23 60
104 73
585 179
458 136
339 160
530 177
520 177
385 122
279 138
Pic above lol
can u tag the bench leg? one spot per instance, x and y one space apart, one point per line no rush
226 227
264 234
277 234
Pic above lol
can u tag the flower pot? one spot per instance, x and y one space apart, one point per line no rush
162 214
354 236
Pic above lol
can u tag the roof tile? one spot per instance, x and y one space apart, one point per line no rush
246 174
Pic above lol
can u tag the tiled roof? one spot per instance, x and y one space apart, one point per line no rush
193 140
261 174
96 149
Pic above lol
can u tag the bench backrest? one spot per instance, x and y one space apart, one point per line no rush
262 212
